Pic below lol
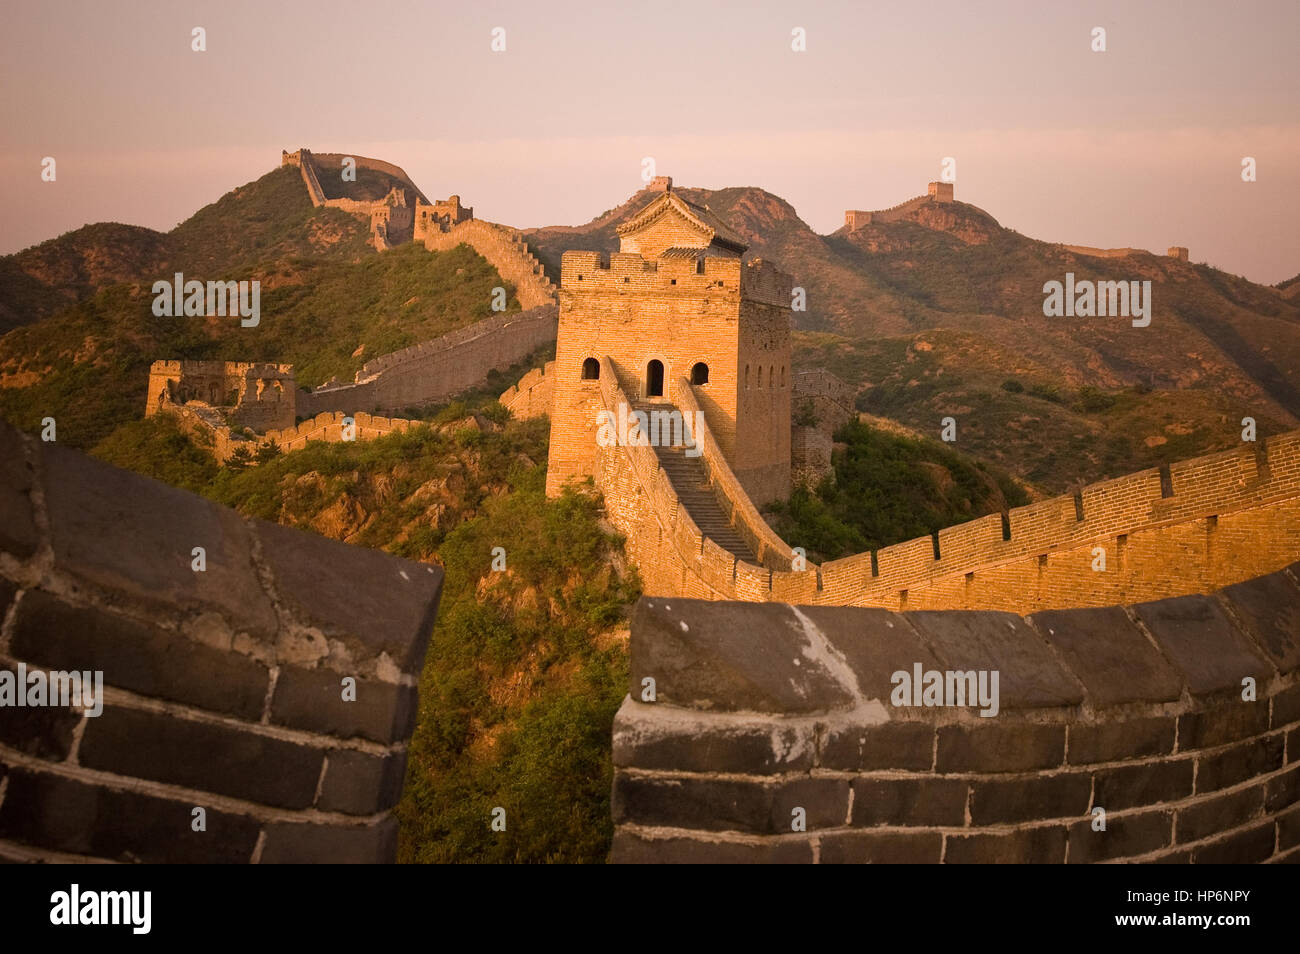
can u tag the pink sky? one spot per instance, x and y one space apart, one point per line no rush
1140 146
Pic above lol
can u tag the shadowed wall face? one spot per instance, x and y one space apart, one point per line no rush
776 734
268 679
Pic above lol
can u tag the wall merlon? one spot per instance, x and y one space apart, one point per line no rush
763 707
183 720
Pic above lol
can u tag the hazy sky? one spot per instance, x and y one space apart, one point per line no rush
1140 145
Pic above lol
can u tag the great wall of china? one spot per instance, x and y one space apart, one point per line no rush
1194 527
424 373
1122 683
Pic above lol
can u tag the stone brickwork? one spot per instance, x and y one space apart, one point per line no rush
507 252
438 369
223 689
533 395
393 218
1197 526
248 394
730 317
765 714
1177 252
936 192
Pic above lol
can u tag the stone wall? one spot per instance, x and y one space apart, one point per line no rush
857 218
438 369
766 713
508 254
1196 526
831 399
533 395
223 689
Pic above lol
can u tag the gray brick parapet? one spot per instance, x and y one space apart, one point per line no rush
275 688
772 736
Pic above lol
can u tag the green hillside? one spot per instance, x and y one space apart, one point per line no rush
328 305
887 488
928 316
525 667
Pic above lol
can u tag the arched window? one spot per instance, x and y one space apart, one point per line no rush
771 375
746 376
760 376
782 375
654 378
700 373
590 370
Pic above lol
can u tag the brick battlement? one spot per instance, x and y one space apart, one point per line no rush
222 688
937 192
1202 524
1136 710
584 272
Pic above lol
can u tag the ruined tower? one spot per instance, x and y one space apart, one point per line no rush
677 307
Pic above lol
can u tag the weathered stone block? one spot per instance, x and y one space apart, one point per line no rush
733 656
127 533
1032 846
874 642
1148 783
1125 837
372 602
1240 848
881 848
998 801
908 802
1198 637
1110 656
312 699
60 814
1288 829
357 783
1231 766
1286 707
1115 741
649 739
1029 675
42 731
1218 814
1000 748
1233 720
210 758
892 745
1282 790
141 658
713 804
300 843
1269 606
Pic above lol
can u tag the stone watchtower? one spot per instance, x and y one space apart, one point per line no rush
677 302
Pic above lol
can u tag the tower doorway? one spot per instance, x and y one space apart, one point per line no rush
654 378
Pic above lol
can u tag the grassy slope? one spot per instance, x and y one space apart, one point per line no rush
328 304
928 318
525 667
888 488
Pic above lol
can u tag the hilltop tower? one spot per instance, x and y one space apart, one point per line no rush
676 307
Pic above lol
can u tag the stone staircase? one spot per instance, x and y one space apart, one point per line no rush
690 480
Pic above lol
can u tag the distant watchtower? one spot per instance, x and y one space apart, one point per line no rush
676 307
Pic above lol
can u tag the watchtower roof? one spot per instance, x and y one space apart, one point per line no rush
669 221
